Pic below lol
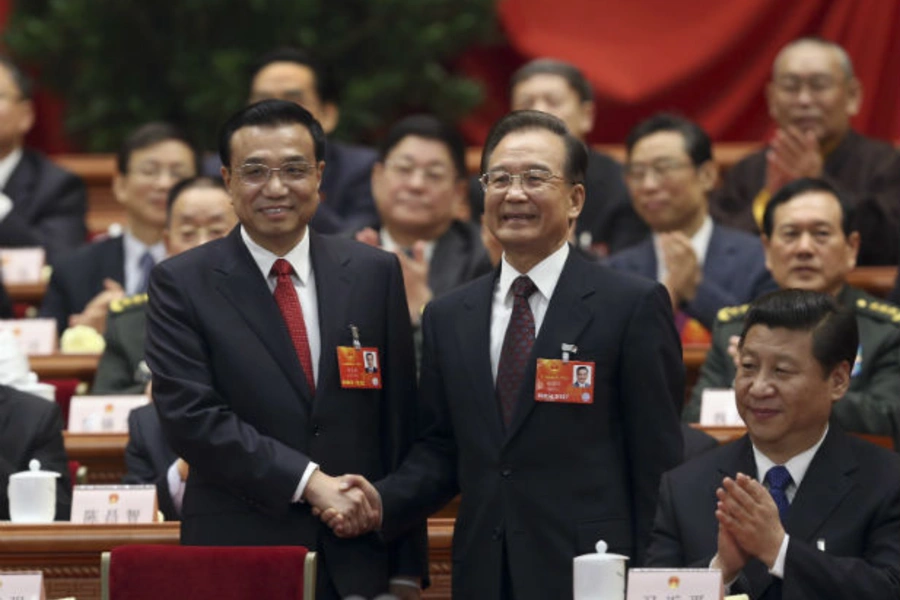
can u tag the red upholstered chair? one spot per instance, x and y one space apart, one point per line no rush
150 572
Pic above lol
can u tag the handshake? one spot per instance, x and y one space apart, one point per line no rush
349 504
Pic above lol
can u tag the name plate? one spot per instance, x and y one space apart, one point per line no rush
675 584
113 504
25 585
35 336
719 407
22 265
102 414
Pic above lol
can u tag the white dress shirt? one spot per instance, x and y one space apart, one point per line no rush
545 276
134 249
388 243
8 164
305 284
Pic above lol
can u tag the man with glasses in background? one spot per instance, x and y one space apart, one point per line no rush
704 266
812 96
151 160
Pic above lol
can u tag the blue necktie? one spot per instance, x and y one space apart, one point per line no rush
778 479
146 265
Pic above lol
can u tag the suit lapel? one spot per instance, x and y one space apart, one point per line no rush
473 338
333 290
566 317
448 261
643 260
246 288
717 263
825 484
21 183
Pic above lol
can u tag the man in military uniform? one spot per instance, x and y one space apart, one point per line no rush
810 244
199 210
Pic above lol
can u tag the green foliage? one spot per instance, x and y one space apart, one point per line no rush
119 63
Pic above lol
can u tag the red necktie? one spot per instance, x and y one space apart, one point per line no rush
289 305
516 349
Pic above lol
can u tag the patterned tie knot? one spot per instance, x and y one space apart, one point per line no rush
523 287
282 268
146 262
778 478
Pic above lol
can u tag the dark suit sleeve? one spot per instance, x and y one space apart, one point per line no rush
709 299
6 311
57 302
652 391
811 573
427 479
48 447
198 422
666 549
139 468
115 374
61 227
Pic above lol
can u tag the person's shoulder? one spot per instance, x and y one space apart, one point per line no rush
344 246
707 465
24 405
875 458
351 152
738 237
871 144
129 307
49 170
624 257
85 256
872 308
601 160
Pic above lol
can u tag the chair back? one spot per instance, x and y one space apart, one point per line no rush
150 572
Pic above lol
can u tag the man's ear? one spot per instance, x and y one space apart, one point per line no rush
329 116
839 378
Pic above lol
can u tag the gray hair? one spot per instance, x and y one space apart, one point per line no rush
843 58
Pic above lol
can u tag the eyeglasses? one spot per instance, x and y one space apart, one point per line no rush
259 174
532 180
661 169
817 84
433 174
154 170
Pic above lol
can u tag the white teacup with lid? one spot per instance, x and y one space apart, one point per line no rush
599 576
32 495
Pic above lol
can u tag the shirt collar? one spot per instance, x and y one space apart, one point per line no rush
797 465
136 248
388 243
545 274
298 256
699 241
8 164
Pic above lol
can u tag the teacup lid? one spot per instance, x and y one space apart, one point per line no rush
34 472
601 555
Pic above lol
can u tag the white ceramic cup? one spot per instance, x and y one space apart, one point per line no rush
599 576
32 495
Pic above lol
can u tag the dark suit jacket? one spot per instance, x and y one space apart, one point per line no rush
120 370
734 272
6 309
49 207
563 476
78 278
31 427
849 497
234 402
148 457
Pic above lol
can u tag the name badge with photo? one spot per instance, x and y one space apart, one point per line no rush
360 368
114 504
570 382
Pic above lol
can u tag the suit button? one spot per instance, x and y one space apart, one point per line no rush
317 431
506 472
495 535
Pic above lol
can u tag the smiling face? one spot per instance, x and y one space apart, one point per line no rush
782 392
417 189
808 249
531 224
811 91
199 214
275 213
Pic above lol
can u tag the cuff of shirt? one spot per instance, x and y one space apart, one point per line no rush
176 486
727 584
777 569
301 487
405 581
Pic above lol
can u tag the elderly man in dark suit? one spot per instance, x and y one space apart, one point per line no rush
540 481
796 508
704 265
40 204
248 340
31 427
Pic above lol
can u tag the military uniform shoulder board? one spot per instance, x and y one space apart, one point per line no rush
883 311
732 313
123 304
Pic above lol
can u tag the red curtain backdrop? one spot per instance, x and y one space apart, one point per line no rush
706 59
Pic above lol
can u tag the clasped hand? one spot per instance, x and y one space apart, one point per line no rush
349 504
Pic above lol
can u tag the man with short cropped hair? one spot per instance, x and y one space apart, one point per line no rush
812 97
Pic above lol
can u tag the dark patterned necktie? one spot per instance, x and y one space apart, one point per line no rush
145 264
516 348
292 312
778 479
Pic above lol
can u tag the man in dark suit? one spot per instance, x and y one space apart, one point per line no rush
796 508
149 459
704 266
541 482
31 427
150 161
607 222
419 184
247 383
812 97
40 204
